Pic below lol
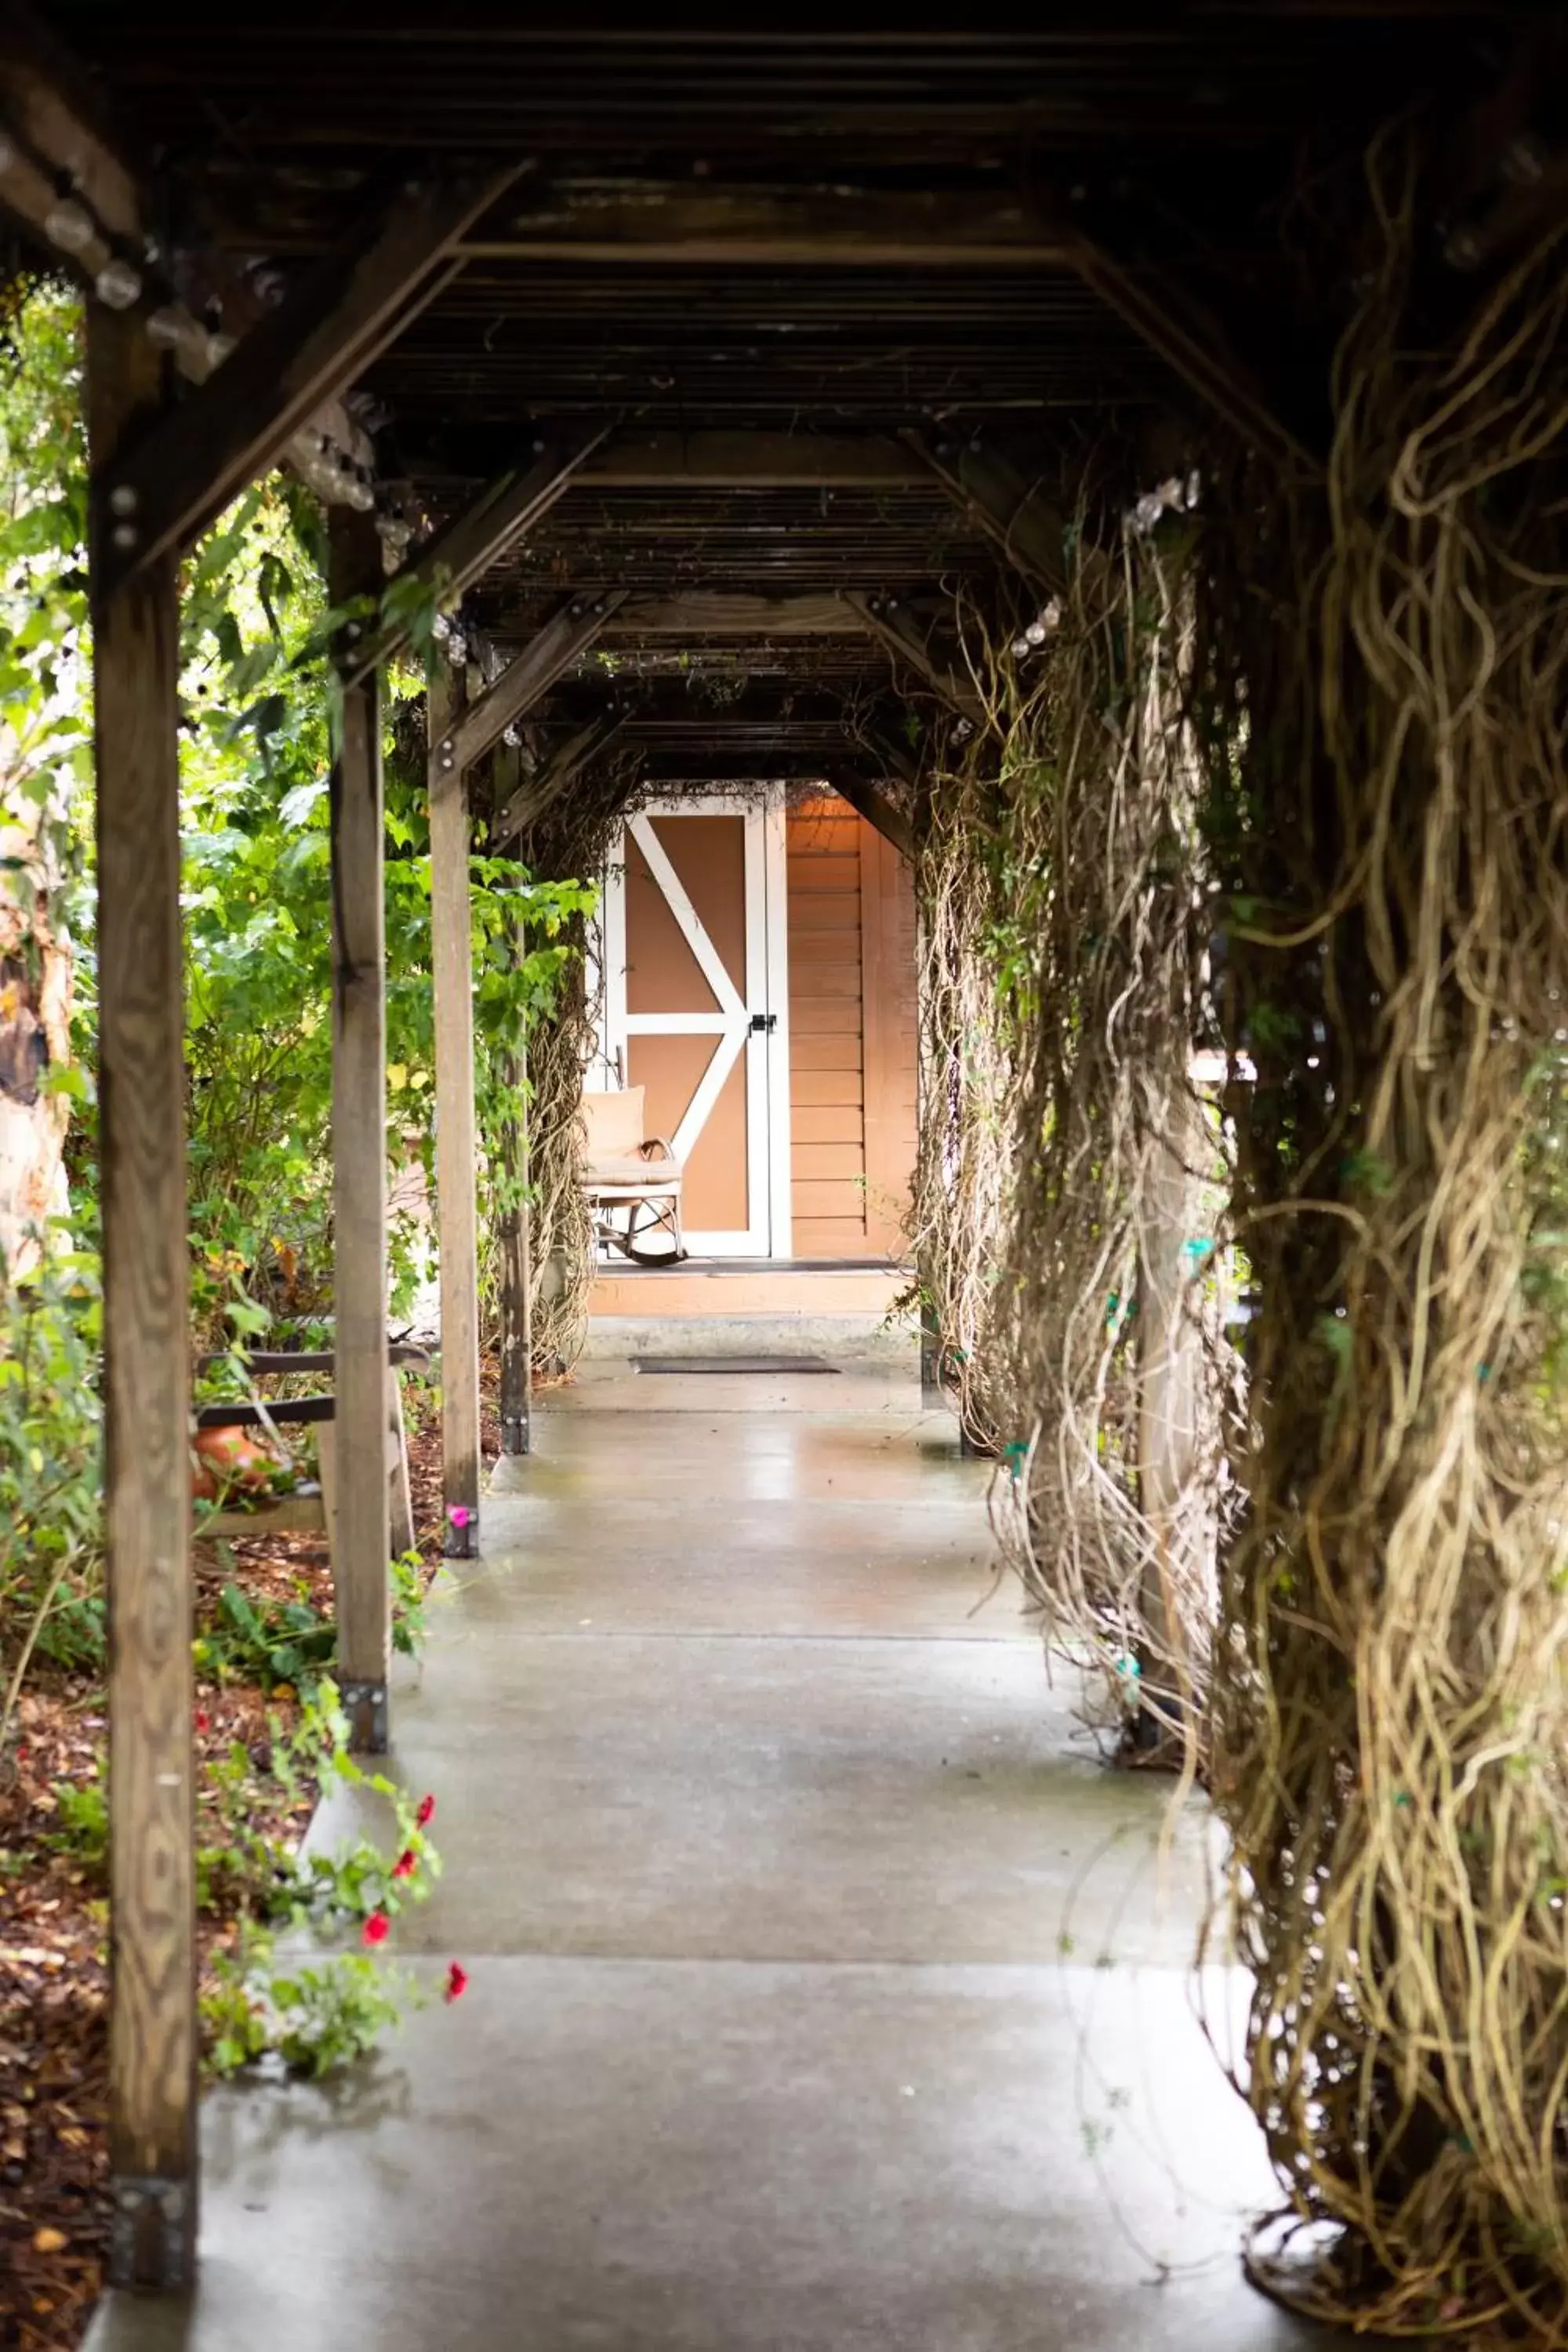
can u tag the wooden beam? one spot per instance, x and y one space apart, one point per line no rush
154 2036
529 803
570 630
886 618
1025 527
888 756
878 810
719 612
460 553
362 1539
451 962
662 221
56 118
634 458
174 479
1193 346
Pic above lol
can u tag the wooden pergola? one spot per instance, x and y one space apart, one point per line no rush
738 355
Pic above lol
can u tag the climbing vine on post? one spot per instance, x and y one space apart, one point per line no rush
1386 669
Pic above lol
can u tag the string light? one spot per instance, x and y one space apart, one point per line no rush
118 284
1047 622
1173 496
70 224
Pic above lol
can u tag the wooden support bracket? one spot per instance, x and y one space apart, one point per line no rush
529 803
886 618
504 511
1193 346
865 799
1027 530
170 483
889 757
569 630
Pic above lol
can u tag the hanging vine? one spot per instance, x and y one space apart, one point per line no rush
1109 1505
574 837
967 1079
1388 678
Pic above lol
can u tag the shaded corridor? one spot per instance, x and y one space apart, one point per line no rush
786 1885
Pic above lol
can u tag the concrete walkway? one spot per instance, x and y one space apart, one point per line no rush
827 1993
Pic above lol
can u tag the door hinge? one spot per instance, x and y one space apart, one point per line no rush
763 1023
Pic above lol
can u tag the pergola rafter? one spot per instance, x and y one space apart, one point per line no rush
175 479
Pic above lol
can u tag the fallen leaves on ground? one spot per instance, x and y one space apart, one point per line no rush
54 1980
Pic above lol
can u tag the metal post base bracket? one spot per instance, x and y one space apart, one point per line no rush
152 2240
364 1704
462 1543
516 1436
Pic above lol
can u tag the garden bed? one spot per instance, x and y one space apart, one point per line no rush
54 1979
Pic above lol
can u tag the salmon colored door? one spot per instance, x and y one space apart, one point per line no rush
693 930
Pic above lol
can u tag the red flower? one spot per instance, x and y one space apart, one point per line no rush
457 1982
426 1808
405 1864
204 1720
375 1928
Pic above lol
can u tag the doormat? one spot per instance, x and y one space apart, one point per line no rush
731 1364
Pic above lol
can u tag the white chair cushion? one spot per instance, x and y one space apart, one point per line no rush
634 1175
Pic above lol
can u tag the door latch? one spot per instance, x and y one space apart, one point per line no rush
763 1023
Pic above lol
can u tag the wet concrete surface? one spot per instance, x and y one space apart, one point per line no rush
826 1989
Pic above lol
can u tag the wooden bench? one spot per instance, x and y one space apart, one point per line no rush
310 1511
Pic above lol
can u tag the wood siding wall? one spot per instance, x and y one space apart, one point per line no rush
852 1035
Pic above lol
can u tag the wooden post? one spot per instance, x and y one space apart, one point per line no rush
516 1230
362 1540
517 1263
451 956
932 1398
1170 1386
142 1113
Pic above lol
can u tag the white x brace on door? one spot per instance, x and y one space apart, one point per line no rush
740 1001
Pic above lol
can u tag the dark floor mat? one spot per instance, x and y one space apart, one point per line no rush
731 1364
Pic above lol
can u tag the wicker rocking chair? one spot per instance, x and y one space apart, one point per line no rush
630 1175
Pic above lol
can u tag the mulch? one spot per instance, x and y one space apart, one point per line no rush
53 1978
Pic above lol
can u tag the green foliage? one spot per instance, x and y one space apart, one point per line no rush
81 1809
408 1625
45 744
313 2017
50 1443
275 1642
278 1641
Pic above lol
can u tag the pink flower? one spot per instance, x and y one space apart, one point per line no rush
461 1517
204 1720
427 1809
405 1864
375 1928
457 1982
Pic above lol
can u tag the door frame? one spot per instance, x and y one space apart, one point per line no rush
765 991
